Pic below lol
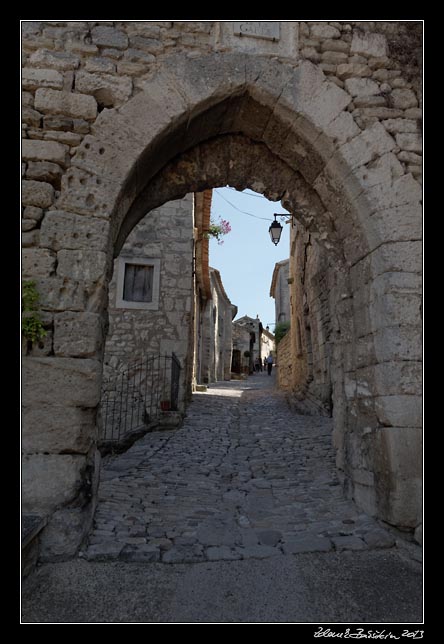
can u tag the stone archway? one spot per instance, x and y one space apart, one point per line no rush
188 129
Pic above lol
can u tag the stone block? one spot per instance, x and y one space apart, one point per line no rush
59 294
399 410
37 262
56 429
37 193
348 543
398 464
397 256
371 143
51 101
335 45
61 381
109 90
30 117
65 230
403 99
385 168
361 86
379 539
45 151
334 58
102 65
409 141
104 36
54 59
44 171
403 191
77 334
398 343
88 265
31 238
353 70
393 378
323 31
366 102
65 532
343 128
369 44
36 78
50 480
396 126
66 138
62 123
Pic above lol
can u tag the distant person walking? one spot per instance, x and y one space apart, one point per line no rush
269 364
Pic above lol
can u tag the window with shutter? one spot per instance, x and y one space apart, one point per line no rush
138 283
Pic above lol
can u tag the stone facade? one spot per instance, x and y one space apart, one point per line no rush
216 354
122 117
280 292
247 334
267 344
164 237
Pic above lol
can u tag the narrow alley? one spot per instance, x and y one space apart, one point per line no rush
245 494
244 477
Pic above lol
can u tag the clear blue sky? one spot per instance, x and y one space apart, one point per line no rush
247 257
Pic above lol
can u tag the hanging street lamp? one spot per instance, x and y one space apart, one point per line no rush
275 231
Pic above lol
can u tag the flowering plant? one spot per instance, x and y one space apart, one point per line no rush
216 230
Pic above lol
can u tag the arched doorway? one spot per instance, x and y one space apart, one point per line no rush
283 130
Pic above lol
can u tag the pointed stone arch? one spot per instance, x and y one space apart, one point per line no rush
198 122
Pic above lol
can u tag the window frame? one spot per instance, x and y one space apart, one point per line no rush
140 261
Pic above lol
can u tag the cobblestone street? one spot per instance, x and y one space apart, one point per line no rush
244 477
236 517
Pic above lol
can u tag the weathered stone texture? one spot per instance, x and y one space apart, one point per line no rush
340 103
369 45
37 193
76 381
45 151
56 429
66 230
107 89
50 480
77 334
51 101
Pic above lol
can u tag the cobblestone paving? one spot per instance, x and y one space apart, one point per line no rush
244 477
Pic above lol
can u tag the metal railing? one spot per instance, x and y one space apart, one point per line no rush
138 398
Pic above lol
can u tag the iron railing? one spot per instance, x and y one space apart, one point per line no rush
138 398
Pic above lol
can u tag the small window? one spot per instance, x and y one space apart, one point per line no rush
138 283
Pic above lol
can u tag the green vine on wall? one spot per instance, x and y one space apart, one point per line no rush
32 326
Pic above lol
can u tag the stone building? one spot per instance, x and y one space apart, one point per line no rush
122 117
247 333
267 344
151 293
280 292
216 342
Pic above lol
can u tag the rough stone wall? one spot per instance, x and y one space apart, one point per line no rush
312 298
325 116
166 234
267 344
280 291
216 333
284 363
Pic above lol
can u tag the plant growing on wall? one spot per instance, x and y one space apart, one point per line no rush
280 330
32 326
218 229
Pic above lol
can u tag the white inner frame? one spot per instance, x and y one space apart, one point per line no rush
143 261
